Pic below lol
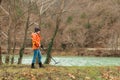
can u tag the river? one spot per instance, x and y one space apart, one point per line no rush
75 61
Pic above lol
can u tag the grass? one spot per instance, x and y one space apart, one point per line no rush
24 72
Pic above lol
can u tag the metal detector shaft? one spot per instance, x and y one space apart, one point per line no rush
51 57
54 60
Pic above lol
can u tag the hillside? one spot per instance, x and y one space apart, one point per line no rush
85 24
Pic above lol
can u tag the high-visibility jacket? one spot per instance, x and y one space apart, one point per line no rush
36 39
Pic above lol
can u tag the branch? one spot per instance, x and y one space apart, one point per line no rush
4 10
29 10
6 36
0 2
42 11
41 8
44 2
69 4
34 23
62 5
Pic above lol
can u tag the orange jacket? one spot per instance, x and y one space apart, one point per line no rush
36 39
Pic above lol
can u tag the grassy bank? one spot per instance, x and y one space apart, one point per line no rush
24 72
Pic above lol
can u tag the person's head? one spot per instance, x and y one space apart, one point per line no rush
37 30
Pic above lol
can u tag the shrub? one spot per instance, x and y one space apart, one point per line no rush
83 15
69 19
87 25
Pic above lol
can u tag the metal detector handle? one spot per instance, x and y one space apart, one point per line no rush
42 46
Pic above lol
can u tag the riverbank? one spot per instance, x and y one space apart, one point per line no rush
96 52
24 72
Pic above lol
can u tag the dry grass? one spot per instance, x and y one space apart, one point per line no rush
24 72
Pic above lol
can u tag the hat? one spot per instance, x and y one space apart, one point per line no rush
37 29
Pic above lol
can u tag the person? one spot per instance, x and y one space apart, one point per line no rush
36 39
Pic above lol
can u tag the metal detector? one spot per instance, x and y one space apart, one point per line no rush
54 60
50 57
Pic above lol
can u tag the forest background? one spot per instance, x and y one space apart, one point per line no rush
77 27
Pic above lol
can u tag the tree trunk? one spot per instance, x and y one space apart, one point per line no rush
48 57
14 45
21 54
24 43
0 47
14 36
8 49
58 20
9 42
7 59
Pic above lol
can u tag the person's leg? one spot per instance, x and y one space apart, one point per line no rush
39 58
34 59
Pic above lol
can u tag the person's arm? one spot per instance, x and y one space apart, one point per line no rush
34 40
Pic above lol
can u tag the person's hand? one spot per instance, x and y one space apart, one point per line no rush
42 46
37 45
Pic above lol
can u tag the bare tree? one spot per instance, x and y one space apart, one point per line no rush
14 46
61 7
48 58
25 36
24 43
13 21
9 43
7 13
9 31
14 33
113 43
42 7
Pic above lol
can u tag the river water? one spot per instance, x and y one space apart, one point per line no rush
76 61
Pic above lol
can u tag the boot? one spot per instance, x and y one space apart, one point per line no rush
32 65
41 65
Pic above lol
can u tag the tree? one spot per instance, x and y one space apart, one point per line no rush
9 42
113 43
12 25
48 58
9 32
24 42
14 14
8 14
25 36
61 7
